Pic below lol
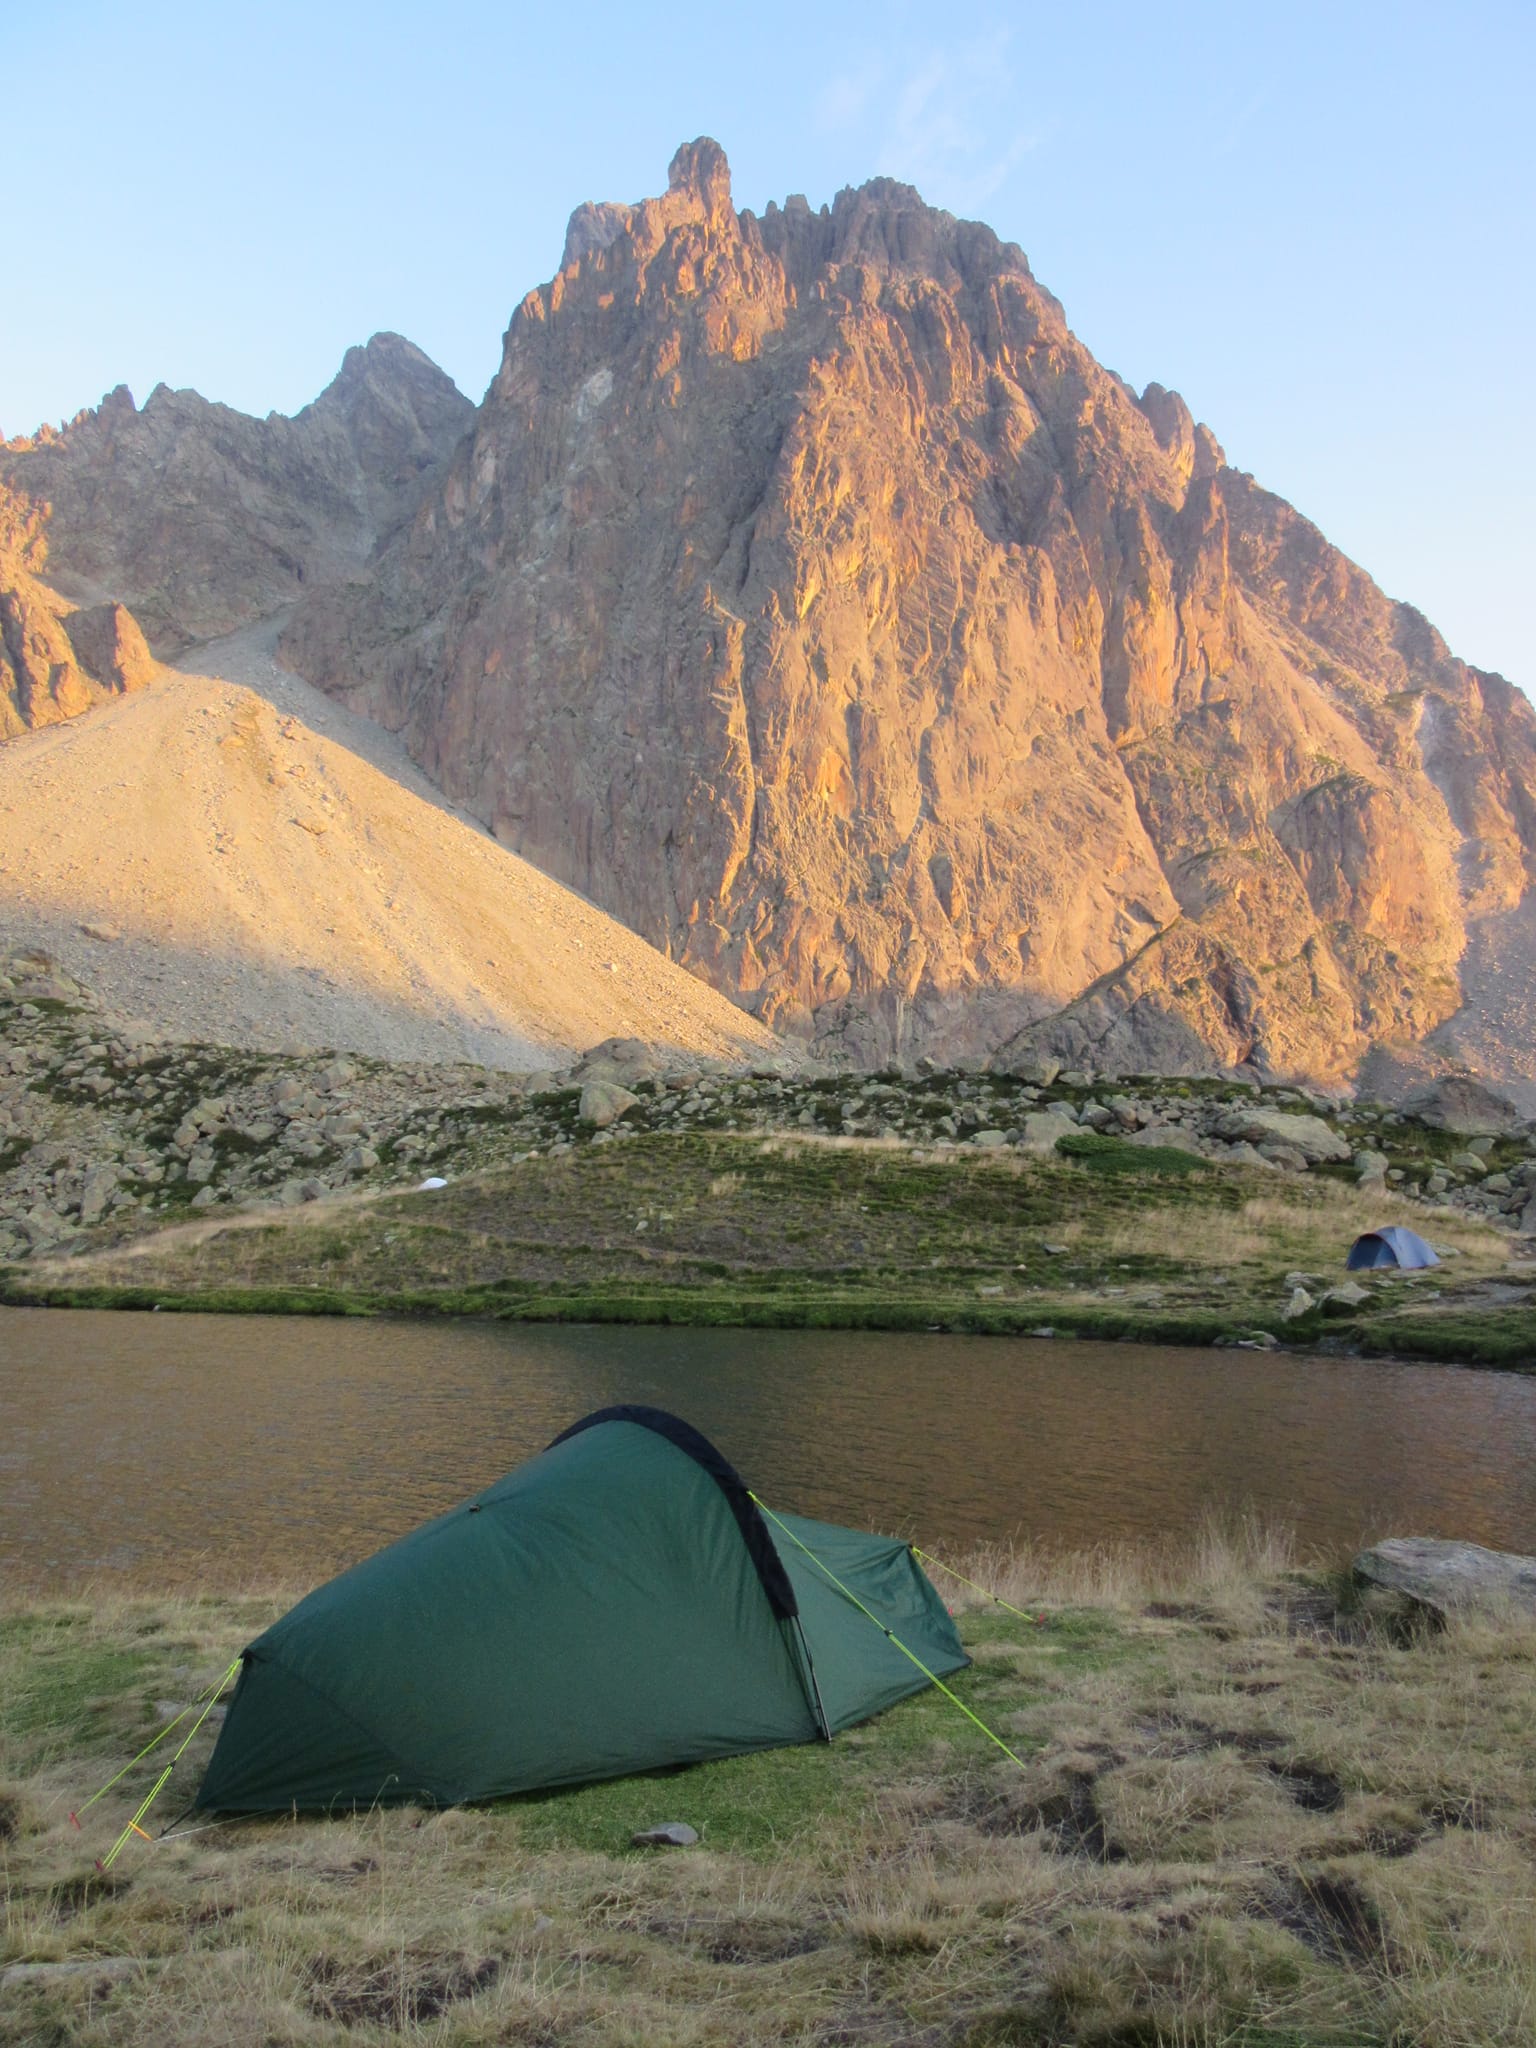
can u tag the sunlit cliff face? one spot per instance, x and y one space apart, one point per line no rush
808 596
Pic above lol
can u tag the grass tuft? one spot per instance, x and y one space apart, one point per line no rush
1249 1812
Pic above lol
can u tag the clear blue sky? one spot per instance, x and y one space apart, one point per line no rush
1315 221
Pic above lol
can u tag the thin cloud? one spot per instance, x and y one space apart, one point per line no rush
949 122
846 101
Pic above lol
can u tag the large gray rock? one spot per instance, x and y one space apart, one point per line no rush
100 1187
1447 1576
604 1102
1043 1127
98 1969
1308 1135
1167 1137
1466 1107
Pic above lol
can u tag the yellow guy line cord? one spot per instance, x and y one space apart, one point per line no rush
928 1558
210 1694
931 1676
134 1827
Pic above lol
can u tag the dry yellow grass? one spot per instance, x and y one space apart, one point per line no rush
1253 1814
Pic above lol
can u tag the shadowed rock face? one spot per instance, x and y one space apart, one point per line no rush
808 596
203 519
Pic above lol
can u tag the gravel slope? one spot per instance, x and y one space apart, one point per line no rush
228 856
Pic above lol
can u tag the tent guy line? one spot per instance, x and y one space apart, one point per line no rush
473 1658
952 1697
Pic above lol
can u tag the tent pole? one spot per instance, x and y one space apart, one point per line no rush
805 1651
890 1634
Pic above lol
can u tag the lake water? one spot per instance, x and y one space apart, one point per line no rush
148 1446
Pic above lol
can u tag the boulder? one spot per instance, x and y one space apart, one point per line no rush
1316 1141
1042 1127
1465 1107
93 1969
1038 1073
1171 1137
1285 1156
1448 1576
604 1102
619 1059
100 1187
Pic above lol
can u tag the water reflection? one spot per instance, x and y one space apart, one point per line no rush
141 1444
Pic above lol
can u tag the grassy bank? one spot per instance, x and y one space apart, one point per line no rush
1251 1811
806 1231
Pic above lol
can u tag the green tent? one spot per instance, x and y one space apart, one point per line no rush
617 1604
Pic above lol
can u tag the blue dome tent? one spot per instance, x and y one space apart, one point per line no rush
1393 1246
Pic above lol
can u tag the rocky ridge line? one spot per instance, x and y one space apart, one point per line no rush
202 519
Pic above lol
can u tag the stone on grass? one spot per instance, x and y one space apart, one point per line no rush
1288 1157
1300 1304
99 1969
1447 1576
670 1834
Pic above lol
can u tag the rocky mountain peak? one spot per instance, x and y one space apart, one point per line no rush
698 194
809 596
700 172
201 518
